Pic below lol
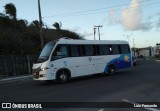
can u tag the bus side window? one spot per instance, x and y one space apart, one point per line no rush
95 50
115 49
103 49
74 51
125 48
119 48
60 52
110 49
81 50
89 50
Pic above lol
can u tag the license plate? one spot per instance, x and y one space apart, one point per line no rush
34 74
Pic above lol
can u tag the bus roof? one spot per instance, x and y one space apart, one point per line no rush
78 41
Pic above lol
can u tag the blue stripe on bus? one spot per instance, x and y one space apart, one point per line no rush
124 61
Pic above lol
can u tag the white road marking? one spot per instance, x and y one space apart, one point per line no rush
131 102
101 110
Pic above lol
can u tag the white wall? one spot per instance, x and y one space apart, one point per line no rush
144 52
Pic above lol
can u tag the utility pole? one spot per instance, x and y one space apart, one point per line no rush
98 30
94 32
133 44
40 25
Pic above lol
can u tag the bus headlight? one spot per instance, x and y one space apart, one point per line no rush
45 68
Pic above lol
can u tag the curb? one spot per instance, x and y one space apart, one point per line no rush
14 79
157 60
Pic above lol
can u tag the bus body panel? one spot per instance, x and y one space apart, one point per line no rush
59 64
123 61
90 65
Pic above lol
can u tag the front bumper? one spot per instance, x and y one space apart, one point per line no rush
41 75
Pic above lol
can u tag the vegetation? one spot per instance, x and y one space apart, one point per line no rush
20 37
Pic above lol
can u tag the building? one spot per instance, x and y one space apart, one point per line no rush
146 52
157 49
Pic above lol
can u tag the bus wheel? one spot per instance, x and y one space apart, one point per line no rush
62 76
111 70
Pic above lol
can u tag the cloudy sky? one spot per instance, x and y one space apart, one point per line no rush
121 19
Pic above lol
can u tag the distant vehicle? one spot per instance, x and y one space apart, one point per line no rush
65 58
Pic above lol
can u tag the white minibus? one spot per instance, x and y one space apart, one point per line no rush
66 58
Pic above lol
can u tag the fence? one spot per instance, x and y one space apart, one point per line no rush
12 65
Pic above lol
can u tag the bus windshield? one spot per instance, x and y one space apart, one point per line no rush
45 53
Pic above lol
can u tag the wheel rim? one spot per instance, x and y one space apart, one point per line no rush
111 70
63 76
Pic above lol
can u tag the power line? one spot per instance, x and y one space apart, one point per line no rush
96 12
93 10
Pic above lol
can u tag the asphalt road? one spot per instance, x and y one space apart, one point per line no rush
139 84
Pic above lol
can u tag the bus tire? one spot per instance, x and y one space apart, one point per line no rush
62 76
111 70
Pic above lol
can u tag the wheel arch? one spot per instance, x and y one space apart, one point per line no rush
109 65
112 65
63 69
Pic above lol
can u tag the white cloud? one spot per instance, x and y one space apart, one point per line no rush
131 18
111 17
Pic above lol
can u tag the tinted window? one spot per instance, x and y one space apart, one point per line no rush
74 50
89 50
96 49
103 50
115 49
81 50
110 49
124 49
60 52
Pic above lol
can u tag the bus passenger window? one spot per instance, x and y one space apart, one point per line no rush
110 49
74 51
89 50
103 49
81 50
60 52
96 50
115 49
124 48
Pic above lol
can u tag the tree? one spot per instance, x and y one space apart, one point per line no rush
10 9
35 23
72 35
65 33
58 29
57 25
